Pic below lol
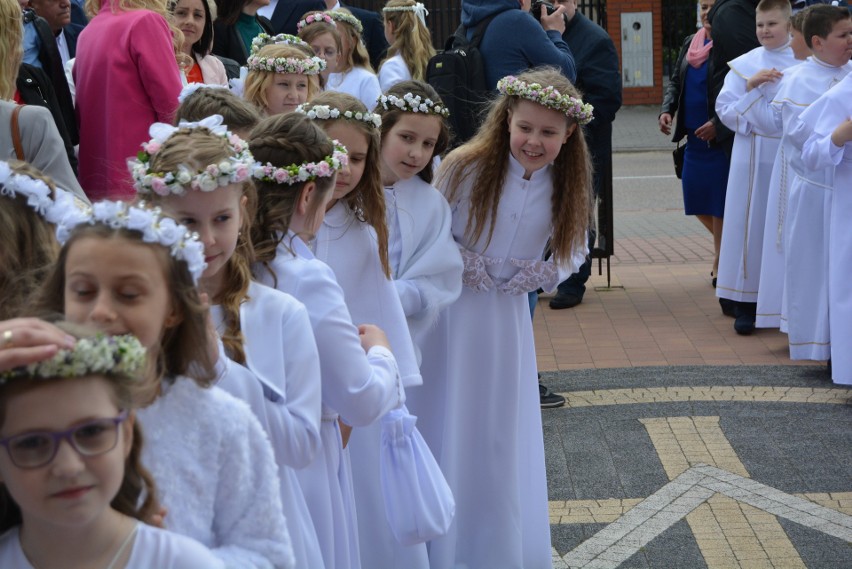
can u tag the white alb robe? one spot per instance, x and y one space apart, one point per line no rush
393 71
748 181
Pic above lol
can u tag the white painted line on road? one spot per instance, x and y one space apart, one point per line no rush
641 177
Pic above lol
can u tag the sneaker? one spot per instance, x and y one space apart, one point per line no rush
565 300
549 400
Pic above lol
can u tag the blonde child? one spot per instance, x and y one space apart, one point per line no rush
353 74
522 180
263 329
281 77
424 260
410 43
319 31
295 178
353 241
751 163
128 269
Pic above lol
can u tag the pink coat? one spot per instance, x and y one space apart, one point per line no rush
127 77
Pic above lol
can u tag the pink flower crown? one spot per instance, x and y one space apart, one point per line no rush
304 172
314 18
547 96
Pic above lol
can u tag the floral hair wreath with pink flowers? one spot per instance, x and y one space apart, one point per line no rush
297 65
233 170
304 172
262 40
547 96
339 16
314 18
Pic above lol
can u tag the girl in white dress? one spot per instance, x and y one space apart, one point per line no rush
128 269
281 77
354 74
263 329
295 176
68 428
353 241
522 180
425 262
410 43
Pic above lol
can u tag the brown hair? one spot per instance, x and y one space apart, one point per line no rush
783 5
283 140
236 113
367 199
11 46
391 116
317 28
184 349
257 82
196 149
412 39
29 245
136 496
484 159
357 56
820 19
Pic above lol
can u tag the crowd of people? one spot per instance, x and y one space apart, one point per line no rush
766 118
259 308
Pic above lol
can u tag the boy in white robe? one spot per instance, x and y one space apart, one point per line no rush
751 162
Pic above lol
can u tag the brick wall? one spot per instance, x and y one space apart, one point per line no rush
639 95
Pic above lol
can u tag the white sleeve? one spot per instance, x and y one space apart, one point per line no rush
370 91
819 152
733 90
756 109
392 72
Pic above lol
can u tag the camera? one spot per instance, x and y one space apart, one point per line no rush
535 8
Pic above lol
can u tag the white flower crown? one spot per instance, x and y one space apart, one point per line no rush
191 88
36 191
262 40
314 18
102 354
182 243
235 169
418 9
298 65
412 104
304 172
339 16
547 96
324 112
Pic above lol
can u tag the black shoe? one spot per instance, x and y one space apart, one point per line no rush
728 307
565 300
549 400
745 313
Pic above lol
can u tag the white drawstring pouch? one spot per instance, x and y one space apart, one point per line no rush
418 501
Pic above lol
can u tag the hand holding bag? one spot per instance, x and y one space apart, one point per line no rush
419 504
677 156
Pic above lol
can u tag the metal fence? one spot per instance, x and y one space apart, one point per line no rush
680 18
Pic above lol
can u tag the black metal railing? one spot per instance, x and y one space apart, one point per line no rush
679 20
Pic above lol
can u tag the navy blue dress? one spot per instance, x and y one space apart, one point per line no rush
705 169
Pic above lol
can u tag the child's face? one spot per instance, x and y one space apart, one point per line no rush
836 49
216 217
119 286
188 16
358 145
71 490
390 36
536 135
325 47
287 91
408 146
773 28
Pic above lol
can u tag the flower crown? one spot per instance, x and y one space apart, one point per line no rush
339 16
304 172
233 170
262 40
101 354
298 65
314 18
419 9
324 112
547 96
191 88
412 104
36 191
182 243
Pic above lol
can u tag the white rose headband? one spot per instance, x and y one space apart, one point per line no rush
298 65
155 228
37 192
262 40
235 169
315 18
419 9
339 16
547 96
410 103
304 172
324 112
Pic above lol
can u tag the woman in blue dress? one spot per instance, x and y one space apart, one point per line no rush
705 168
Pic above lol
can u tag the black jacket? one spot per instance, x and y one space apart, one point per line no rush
228 43
673 97
733 24
288 13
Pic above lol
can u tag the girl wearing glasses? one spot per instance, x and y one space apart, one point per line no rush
73 490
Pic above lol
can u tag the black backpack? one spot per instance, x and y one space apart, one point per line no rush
458 75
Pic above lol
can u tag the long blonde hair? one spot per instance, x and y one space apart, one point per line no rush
484 159
11 46
412 39
258 81
357 56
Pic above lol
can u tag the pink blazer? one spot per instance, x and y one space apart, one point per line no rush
127 77
212 70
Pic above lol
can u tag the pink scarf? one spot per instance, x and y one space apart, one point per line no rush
698 51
